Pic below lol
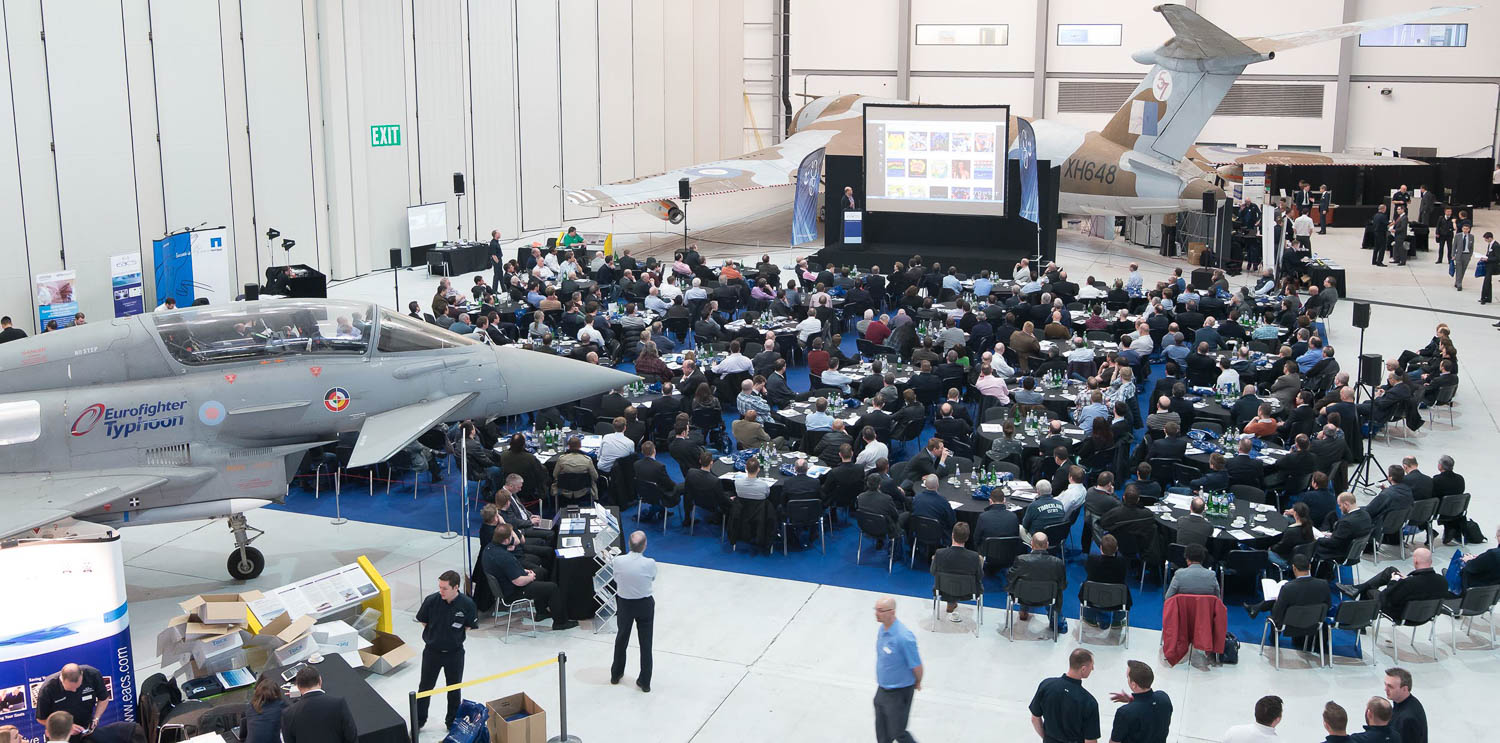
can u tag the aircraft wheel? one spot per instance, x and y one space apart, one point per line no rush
247 568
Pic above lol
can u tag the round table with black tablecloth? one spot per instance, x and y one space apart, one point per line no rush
1257 517
1031 442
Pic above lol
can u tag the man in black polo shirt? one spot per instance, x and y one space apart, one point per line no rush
517 583
77 690
1407 716
1062 711
1147 714
446 616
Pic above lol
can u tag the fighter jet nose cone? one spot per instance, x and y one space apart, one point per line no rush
537 380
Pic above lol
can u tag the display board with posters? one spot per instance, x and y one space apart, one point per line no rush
64 603
55 299
193 265
320 596
125 283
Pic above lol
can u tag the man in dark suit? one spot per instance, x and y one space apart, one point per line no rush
1398 235
935 459
647 469
875 500
778 392
765 362
497 259
1348 421
1172 446
317 717
8 333
877 419
928 504
800 486
926 384
996 520
1395 498
1301 590
1194 528
1055 439
1328 448
1297 465
951 428
1416 480
1421 584
612 405
1352 528
1244 468
870 384
1038 565
1245 408
842 483
1322 507
1378 233
827 450
958 559
700 486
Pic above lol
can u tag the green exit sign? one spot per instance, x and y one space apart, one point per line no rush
385 135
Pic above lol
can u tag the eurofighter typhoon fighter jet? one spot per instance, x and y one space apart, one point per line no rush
206 412
1144 161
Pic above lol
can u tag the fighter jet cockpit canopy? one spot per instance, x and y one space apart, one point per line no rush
248 331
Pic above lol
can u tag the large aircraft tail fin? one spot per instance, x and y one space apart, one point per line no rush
1193 71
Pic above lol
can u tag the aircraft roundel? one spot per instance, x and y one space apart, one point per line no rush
336 400
1161 85
211 413
715 172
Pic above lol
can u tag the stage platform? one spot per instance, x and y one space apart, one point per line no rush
967 259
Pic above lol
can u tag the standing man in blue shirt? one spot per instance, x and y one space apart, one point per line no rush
1147 714
898 671
635 574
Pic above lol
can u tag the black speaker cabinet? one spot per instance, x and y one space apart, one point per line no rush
1209 204
1361 315
252 292
684 189
458 184
1371 369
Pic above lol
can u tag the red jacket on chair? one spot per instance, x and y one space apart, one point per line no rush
1190 619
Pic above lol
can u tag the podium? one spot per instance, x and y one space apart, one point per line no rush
854 228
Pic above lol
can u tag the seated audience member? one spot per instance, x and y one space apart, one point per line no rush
960 560
1395 591
1038 565
1194 579
1106 566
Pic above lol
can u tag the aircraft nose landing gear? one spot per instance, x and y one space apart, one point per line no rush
245 562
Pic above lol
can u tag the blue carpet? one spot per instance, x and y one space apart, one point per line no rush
808 563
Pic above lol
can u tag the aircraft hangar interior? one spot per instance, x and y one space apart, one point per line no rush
362 359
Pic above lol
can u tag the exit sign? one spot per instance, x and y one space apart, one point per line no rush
385 135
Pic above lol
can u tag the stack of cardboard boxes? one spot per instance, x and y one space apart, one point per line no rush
214 635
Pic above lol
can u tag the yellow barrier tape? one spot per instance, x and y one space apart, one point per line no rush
501 675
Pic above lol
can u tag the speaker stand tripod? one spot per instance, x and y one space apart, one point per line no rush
1370 470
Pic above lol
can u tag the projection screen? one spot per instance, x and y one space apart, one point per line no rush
936 159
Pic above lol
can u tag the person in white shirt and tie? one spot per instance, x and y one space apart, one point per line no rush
1463 250
635 574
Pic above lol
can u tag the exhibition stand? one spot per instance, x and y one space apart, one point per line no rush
67 591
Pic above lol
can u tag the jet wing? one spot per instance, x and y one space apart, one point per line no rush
33 500
1217 156
1282 42
384 434
773 166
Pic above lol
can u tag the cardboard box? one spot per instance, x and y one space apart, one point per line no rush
220 608
385 653
210 647
529 729
171 640
337 636
218 663
282 630
1195 253
300 649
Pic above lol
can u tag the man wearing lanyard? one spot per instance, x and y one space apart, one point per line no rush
445 617
1062 711
77 690
898 671
634 575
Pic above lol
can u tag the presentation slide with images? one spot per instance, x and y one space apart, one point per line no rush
936 159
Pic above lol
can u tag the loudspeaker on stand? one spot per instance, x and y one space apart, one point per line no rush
1361 315
1371 369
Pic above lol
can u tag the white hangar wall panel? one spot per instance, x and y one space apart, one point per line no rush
190 101
281 144
493 96
539 102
